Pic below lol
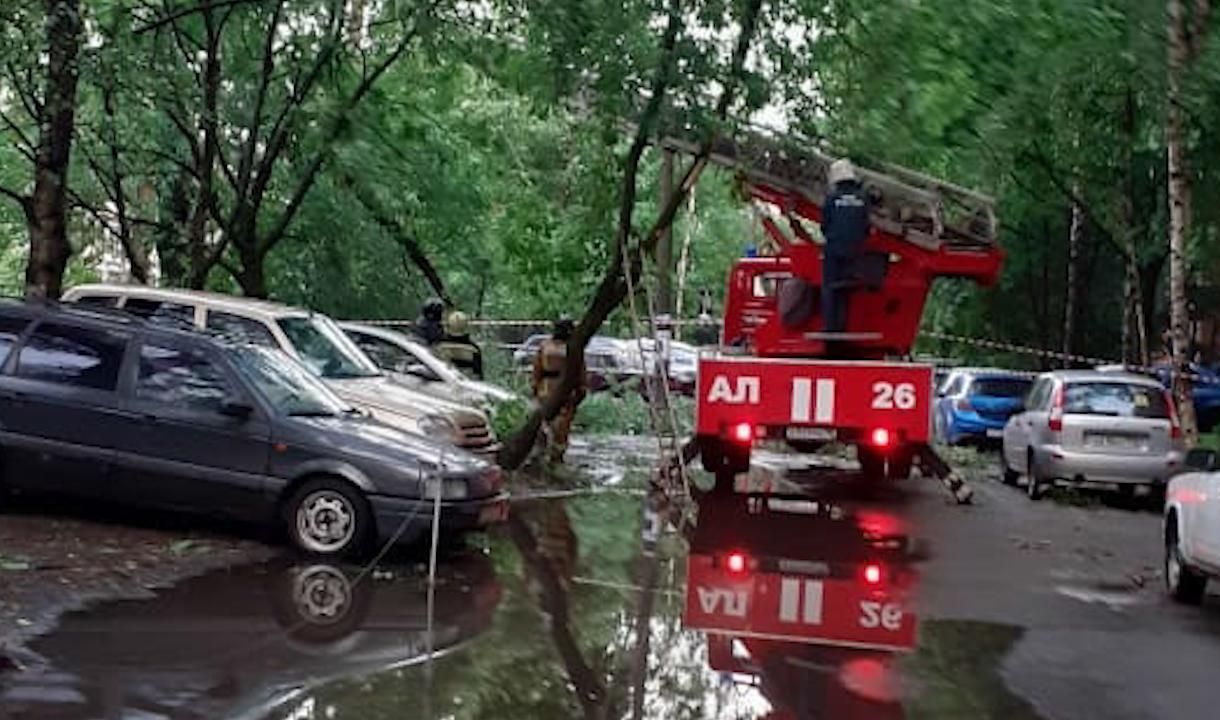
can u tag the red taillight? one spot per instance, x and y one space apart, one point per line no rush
1055 422
742 433
872 574
880 438
736 563
964 404
1175 427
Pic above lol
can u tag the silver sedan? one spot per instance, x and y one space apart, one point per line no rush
1088 427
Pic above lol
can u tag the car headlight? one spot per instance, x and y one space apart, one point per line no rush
439 427
451 488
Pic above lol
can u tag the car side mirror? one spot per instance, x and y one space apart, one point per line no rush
1202 460
421 371
236 407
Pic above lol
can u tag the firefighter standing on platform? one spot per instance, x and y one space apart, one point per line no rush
428 325
458 348
549 363
845 228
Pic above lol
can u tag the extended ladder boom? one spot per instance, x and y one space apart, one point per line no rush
907 204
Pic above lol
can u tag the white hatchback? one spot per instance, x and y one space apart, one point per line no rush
1192 527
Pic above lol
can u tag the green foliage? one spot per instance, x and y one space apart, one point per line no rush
626 412
1036 103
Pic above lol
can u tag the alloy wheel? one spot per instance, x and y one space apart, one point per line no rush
326 522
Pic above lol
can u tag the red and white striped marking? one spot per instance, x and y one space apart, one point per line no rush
794 604
813 400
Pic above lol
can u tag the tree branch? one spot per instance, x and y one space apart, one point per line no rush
256 115
337 127
282 128
408 242
19 198
176 15
29 101
24 144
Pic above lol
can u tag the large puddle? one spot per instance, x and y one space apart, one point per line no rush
769 606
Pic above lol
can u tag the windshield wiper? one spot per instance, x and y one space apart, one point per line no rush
311 412
352 375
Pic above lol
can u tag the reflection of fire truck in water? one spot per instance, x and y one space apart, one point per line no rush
779 376
807 601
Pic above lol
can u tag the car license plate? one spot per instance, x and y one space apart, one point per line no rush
494 513
1107 440
995 433
810 433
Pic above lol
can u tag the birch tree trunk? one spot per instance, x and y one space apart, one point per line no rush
684 261
1135 324
1179 209
1069 301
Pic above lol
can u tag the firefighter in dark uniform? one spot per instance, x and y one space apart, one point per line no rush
845 228
548 368
428 325
457 347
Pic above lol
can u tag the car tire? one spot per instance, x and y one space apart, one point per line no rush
328 518
1156 496
1008 476
899 465
872 465
710 454
1184 584
1034 484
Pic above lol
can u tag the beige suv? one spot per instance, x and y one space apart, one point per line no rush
316 341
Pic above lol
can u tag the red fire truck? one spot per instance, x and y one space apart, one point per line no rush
795 383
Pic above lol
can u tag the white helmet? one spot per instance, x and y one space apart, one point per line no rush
840 170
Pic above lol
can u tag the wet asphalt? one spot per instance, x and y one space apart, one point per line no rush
1097 637
1015 609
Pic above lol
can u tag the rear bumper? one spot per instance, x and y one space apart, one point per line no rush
414 516
970 423
1057 463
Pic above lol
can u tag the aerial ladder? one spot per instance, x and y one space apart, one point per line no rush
774 379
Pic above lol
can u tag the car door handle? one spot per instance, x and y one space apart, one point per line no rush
13 396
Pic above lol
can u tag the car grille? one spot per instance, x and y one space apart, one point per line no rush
477 436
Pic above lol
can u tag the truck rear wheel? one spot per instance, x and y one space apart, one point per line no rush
719 456
710 454
895 465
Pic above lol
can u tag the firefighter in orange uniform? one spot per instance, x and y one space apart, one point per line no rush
548 368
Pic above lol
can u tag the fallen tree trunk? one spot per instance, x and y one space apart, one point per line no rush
625 258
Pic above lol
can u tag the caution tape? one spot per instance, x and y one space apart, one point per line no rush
487 322
1055 355
999 345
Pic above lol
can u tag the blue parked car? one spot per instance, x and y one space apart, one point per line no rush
976 404
1205 391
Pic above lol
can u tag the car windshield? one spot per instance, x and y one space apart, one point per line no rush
443 368
1115 399
1000 387
324 348
287 384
